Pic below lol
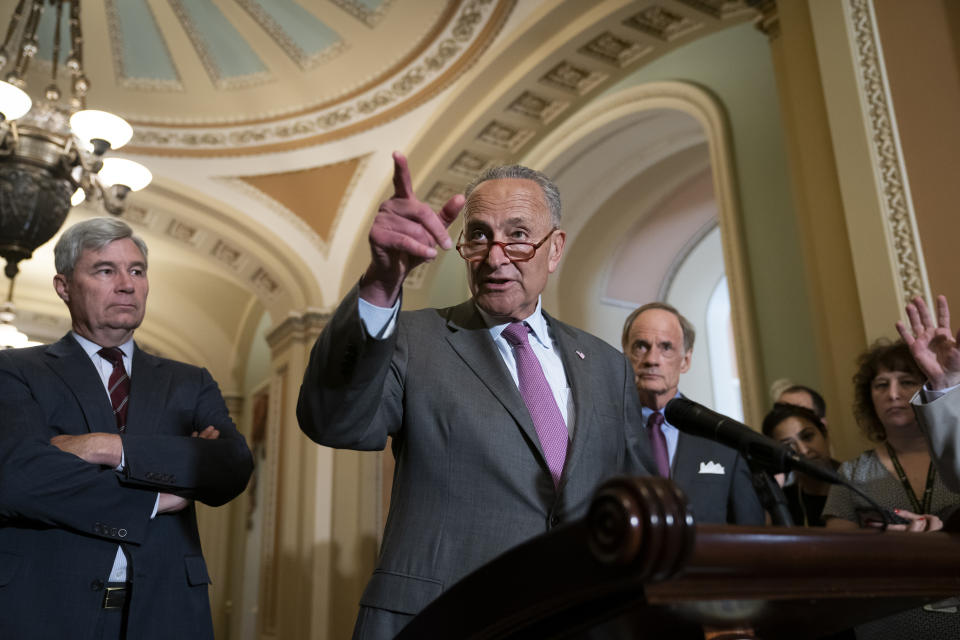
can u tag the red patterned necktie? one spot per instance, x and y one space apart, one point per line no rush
659 443
118 385
536 392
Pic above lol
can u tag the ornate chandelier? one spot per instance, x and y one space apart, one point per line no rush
52 155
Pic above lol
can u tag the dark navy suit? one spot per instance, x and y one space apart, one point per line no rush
62 518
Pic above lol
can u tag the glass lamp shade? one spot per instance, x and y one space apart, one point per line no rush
120 171
91 124
14 102
11 338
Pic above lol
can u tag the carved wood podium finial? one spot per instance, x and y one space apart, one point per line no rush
644 522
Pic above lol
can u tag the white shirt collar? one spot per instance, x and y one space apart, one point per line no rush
646 412
91 348
536 321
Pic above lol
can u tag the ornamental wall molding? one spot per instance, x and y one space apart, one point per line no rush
886 152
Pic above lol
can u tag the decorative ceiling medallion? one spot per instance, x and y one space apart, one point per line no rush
470 164
471 30
505 136
228 255
615 50
573 78
264 283
137 215
184 233
538 107
662 23
441 192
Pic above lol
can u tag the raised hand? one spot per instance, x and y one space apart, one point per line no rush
404 234
932 345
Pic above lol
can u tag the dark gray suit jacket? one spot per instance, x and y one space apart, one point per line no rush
471 480
61 518
719 498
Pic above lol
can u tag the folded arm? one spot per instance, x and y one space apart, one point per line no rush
39 482
211 470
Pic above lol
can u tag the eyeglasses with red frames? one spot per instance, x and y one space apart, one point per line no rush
477 250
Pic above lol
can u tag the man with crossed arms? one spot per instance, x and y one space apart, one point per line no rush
503 419
103 449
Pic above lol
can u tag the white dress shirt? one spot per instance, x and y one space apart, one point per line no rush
105 368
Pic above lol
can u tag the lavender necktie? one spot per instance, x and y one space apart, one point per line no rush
536 392
659 443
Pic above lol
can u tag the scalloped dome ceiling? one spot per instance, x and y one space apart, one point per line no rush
268 125
248 76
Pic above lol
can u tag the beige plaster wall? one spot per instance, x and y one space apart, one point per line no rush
736 66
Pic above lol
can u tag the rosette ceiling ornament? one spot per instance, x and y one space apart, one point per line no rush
53 150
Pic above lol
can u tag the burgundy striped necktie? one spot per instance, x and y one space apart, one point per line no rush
536 392
119 385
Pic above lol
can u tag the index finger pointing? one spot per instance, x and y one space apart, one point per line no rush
402 185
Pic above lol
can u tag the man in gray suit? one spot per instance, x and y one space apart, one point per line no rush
659 342
937 405
503 420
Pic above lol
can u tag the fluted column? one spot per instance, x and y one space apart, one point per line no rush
321 517
857 230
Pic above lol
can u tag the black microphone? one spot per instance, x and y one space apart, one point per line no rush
756 448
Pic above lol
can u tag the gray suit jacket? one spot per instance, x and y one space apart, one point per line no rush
940 420
471 480
61 518
718 498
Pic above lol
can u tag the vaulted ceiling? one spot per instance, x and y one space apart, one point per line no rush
268 126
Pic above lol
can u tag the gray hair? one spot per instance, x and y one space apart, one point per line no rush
689 334
93 234
551 194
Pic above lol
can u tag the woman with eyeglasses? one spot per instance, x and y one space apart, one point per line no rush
898 474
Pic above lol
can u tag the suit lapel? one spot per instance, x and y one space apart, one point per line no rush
578 366
681 470
471 340
68 360
149 384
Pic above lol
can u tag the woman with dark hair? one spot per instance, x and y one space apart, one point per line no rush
898 474
803 431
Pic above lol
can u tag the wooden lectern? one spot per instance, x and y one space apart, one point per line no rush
638 567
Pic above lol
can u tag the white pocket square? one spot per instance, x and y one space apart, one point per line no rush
711 467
